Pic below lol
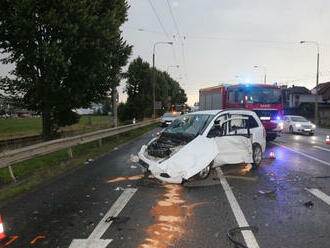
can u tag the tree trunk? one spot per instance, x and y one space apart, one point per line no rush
114 106
47 131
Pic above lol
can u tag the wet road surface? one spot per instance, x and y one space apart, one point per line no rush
286 199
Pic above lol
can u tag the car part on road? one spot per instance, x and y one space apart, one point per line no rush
117 220
257 155
231 233
268 193
309 204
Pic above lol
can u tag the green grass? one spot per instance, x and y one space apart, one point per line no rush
13 128
32 172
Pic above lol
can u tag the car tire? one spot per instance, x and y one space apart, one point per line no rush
203 174
257 155
311 134
291 129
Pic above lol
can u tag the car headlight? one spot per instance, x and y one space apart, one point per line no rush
298 125
280 125
313 126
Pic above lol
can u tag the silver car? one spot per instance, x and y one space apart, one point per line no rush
298 124
168 118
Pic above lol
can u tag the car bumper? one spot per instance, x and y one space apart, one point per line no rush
303 130
155 167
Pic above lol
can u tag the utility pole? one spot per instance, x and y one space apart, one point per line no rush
316 105
154 76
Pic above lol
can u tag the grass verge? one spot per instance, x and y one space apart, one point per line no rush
35 171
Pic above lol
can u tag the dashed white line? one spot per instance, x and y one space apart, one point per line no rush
319 194
303 154
94 240
322 148
248 235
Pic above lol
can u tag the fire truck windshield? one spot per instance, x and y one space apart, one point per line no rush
264 95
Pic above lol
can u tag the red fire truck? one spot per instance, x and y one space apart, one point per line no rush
264 99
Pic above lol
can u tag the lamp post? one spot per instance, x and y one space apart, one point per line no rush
265 74
316 107
153 74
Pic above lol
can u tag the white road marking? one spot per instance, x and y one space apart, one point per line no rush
248 235
94 240
322 148
319 194
303 154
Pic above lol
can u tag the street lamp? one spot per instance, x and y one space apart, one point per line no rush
153 74
316 107
265 74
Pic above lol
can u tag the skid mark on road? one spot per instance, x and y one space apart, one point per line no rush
248 235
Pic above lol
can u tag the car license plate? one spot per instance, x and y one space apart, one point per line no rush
307 130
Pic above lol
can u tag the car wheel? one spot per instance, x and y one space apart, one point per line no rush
257 155
311 134
291 129
203 174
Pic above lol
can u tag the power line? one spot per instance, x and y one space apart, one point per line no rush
180 37
158 18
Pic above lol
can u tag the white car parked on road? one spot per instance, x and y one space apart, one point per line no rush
298 124
196 142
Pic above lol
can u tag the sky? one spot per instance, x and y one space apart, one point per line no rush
220 41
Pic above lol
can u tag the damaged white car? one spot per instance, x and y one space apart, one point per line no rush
197 142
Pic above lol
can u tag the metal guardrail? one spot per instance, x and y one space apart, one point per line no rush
11 157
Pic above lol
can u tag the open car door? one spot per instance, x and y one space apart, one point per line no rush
234 142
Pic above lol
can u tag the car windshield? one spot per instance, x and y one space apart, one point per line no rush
171 114
188 125
299 119
264 95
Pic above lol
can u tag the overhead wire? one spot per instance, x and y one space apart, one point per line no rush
181 41
163 28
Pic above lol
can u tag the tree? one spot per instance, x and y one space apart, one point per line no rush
139 91
67 54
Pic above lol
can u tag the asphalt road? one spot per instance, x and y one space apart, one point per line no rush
272 199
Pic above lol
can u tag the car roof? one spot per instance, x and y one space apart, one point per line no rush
206 112
217 111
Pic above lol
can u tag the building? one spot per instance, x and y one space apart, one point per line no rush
295 96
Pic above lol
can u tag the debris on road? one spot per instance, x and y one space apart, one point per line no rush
268 193
323 177
117 220
133 158
231 233
309 204
90 160
116 148
119 188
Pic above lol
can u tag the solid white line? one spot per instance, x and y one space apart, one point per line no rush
322 148
248 235
319 194
303 154
116 208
